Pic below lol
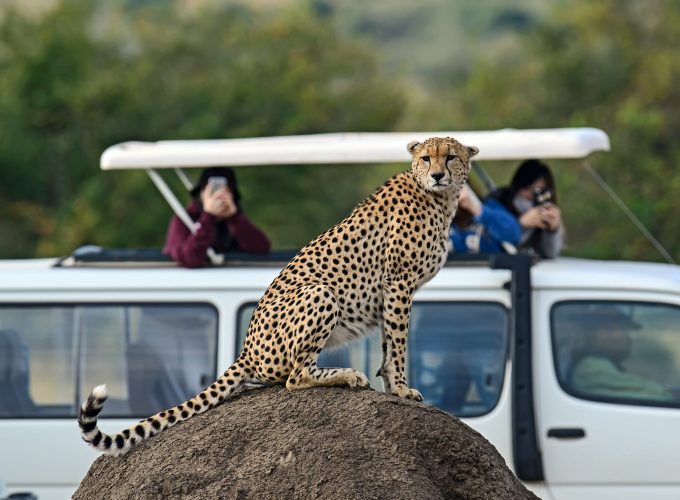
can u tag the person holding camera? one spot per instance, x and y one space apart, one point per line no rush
486 227
532 198
220 223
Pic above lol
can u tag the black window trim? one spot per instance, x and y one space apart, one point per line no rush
603 399
78 343
238 343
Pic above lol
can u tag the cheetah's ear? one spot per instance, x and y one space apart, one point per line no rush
412 147
472 151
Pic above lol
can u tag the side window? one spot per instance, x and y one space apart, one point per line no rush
456 354
618 352
149 356
37 361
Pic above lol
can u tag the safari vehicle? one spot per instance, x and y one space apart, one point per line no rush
493 339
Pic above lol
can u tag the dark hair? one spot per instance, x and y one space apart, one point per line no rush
528 172
226 172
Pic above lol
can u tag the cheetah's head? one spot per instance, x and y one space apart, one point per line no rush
441 163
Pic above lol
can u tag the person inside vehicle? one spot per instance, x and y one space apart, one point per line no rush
599 367
220 222
531 197
482 227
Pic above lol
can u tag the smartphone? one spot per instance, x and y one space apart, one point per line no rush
216 183
542 196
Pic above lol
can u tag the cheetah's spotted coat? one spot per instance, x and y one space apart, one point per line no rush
360 273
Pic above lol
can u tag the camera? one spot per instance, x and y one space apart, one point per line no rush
217 183
542 196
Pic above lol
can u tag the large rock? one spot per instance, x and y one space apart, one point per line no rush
318 443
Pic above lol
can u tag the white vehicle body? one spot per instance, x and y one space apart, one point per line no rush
563 444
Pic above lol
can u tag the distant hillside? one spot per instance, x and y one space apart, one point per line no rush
425 44
432 42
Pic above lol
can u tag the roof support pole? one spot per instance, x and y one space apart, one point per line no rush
185 179
177 207
629 213
488 182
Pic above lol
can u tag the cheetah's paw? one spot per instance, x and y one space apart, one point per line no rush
406 393
357 379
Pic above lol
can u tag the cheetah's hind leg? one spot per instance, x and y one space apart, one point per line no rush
313 376
321 317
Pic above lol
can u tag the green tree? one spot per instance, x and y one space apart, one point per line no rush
84 76
603 63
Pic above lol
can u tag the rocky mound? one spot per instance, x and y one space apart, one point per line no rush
318 443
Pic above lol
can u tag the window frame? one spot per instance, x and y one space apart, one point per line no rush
632 402
79 398
238 343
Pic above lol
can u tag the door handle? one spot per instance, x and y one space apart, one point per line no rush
567 433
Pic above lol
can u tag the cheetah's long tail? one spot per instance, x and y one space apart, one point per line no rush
120 443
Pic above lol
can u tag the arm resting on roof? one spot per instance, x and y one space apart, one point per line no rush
551 243
250 238
189 250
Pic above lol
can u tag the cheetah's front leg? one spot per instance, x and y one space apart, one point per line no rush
397 300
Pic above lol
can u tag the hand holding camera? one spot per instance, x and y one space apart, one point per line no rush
544 214
552 217
533 218
550 213
217 198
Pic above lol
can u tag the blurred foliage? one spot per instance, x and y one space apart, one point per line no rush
83 77
86 75
609 64
606 64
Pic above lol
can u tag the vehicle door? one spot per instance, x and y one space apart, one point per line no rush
608 399
151 350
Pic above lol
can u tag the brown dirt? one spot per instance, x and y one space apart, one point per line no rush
318 443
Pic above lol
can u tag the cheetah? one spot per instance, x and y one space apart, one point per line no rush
361 273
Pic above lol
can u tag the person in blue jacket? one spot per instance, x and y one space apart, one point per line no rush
486 227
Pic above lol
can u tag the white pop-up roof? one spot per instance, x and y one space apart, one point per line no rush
339 148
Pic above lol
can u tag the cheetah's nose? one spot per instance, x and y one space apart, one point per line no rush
438 176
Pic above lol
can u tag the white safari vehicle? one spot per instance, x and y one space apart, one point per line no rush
569 367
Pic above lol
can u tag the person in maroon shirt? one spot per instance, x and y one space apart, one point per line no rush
220 223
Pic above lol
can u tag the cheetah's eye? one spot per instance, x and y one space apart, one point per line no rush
449 158
425 158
